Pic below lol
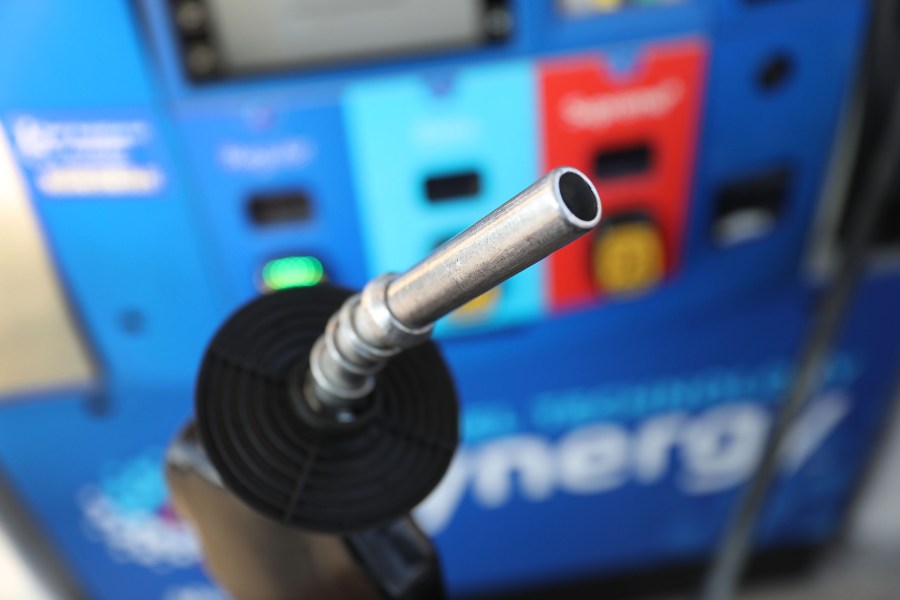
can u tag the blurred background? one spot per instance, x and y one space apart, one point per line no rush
164 161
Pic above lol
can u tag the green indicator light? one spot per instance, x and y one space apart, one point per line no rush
292 271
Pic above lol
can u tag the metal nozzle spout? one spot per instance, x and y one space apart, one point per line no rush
396 312
555 210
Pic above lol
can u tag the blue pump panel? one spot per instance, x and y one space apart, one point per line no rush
609 442
605 439
737 13
775 87
107 510
260 154
112 206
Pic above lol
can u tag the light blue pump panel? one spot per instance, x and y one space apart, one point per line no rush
239 152
405 130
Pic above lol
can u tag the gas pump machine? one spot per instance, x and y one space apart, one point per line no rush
210 178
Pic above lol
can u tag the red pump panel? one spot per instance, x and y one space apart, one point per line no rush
634 134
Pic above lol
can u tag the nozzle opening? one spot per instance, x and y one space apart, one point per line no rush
579 197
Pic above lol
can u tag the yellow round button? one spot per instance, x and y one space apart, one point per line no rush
628 258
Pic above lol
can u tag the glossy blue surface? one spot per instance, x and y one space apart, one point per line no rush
596 441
